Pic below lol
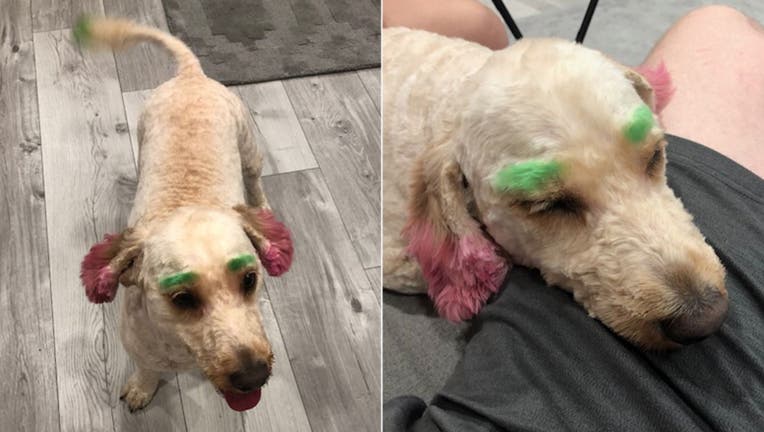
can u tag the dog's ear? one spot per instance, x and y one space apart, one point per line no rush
270 237
459 263
108 263
643 88
653 85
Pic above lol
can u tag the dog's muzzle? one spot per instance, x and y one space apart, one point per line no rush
701 319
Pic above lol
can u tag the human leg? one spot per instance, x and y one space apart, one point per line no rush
467 19
715 55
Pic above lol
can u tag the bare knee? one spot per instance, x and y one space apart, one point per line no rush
714 14
715 55
715 35
719 18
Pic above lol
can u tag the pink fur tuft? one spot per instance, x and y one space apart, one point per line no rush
99 279
276 262
660 80
277 256
461 273
482 271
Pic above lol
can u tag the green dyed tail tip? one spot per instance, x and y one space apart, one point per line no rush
81 30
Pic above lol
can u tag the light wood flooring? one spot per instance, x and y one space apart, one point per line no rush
68 175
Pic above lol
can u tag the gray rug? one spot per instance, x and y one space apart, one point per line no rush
244 41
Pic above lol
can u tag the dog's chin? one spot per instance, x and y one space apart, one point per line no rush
648 336
239 401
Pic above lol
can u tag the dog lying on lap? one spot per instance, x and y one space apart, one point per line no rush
546 154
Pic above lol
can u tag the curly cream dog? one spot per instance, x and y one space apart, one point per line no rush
550 151
193 255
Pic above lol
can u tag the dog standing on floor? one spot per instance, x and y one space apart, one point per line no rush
546 154
193 256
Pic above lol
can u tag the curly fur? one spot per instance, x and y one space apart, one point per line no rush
457 113
198 164
277 256
461 273
99 280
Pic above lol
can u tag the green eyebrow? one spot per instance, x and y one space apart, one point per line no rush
240 262
640 124
527 176
168 283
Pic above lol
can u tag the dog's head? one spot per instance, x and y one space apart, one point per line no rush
562 158
200 271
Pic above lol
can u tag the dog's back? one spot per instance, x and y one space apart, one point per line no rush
422 73
190 130
189 135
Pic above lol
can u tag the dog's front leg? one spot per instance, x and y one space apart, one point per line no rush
251 170
255 195
140 388
251 163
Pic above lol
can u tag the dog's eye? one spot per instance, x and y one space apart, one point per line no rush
655 161
560 205
184 300
248 282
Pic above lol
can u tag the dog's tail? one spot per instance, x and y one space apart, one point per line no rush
121 33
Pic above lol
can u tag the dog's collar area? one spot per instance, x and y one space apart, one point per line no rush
239 262
174 281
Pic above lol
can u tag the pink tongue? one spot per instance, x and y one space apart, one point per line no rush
242 401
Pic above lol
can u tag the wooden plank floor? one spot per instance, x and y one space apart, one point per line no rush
68 175
26 320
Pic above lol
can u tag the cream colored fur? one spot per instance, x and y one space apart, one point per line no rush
197 161
452 102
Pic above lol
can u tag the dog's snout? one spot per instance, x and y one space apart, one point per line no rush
252 373
699 321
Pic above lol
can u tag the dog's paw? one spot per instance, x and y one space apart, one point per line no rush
139 391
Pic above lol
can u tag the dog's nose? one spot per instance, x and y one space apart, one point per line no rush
699 322
252 374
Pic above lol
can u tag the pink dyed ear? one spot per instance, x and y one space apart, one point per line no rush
461 273
276 255
99 279
660 80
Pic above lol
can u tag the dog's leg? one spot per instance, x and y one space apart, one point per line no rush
251 168
140 388
251 163
255 195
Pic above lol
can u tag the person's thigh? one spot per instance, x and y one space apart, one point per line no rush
466 19
536 361
715 55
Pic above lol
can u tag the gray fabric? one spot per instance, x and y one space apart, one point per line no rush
535 361
624 30
403 413
420 349
241 41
